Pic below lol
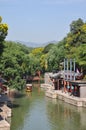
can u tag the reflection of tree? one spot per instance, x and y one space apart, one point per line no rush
63 116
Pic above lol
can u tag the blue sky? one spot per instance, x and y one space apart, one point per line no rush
40 21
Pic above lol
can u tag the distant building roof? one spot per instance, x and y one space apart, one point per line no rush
63 74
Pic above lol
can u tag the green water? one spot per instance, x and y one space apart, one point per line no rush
35 111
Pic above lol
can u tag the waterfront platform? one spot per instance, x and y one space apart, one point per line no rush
58 94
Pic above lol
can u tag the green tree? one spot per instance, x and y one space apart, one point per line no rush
47 48
75 26
55 57
14 62
43 62
75 45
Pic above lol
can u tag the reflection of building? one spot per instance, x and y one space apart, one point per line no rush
65 116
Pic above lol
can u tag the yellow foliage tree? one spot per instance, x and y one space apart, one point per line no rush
3 34
37 51
3 30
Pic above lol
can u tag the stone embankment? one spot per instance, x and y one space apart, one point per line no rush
5 113
59 94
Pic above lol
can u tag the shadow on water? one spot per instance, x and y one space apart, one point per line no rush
15 105
19 95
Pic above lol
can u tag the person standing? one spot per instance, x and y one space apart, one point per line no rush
72 90
68 87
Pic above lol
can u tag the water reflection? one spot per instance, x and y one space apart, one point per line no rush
64 116
37 112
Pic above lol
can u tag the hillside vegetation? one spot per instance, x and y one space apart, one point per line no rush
17 60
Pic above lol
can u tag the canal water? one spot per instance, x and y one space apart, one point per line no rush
35 111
